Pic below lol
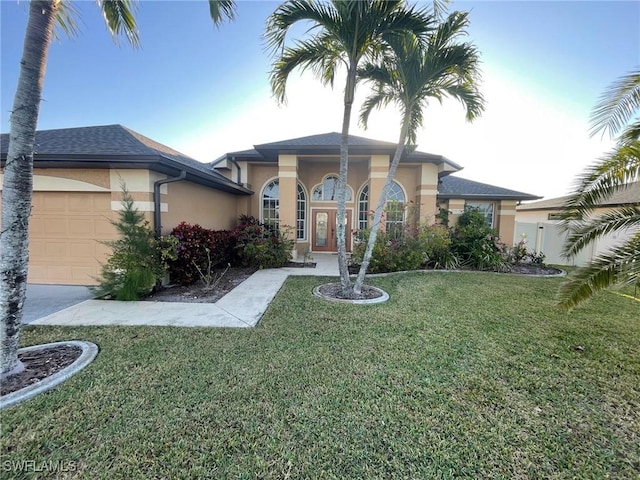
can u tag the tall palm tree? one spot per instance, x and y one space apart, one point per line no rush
617 112
409 76
343 33
18 170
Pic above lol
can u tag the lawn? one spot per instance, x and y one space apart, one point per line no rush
459 375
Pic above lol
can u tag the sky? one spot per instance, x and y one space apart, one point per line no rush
205 91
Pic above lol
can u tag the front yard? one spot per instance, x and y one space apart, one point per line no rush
459 375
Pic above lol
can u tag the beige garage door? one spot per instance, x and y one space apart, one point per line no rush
65 233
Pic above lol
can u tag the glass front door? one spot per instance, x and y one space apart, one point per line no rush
325 232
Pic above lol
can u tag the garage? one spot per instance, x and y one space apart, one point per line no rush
64 231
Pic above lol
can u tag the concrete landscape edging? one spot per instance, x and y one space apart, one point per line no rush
381 299
89 352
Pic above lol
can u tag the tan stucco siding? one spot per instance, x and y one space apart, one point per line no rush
193 203
52 179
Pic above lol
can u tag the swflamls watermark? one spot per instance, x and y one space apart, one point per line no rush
38 466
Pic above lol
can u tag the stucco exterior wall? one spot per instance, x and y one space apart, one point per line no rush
193 203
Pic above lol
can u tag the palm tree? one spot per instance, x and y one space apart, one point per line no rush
344 33
409 76
621 264
18 171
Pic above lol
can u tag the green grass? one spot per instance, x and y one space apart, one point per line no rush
458 376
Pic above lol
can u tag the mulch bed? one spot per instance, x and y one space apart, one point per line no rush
39 365
199 292
334 290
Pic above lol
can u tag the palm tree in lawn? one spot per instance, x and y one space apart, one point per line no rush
343 34
409 76
618 112
18 171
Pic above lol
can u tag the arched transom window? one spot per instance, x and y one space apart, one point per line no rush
328 190
271 207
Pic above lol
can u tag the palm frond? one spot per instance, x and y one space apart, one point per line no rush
599 181
120 19
582 234
321 55
221 10
619 266
320 15
617 105
66 20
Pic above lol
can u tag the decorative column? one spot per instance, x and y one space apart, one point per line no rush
288 193
378 171
506 224
427 191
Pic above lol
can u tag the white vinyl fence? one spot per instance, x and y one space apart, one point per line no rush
549 239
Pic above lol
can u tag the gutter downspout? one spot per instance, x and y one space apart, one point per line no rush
157 219
238 171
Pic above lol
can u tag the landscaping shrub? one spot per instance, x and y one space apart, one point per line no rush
435 243
476 244
391 253
261 246
200 249
138 261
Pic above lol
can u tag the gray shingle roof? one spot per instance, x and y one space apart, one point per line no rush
329 143
331 139
629 195
456 187
107 143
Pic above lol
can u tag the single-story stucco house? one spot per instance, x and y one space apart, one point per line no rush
78 174
539 222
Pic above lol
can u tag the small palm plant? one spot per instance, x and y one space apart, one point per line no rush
616 112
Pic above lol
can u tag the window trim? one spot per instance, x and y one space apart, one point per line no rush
486 202
305 223
322 185
264 187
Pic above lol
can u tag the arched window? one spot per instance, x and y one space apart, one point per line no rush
394 210
301 214
271 204
328 190
271 207
363 208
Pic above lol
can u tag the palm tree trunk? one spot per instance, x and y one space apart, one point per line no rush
377 217
18 181
349 93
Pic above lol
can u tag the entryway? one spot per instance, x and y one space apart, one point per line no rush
324 230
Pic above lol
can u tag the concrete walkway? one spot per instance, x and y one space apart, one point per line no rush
241 308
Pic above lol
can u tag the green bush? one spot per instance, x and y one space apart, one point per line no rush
261 246
435 243
391 253
476 244
138 261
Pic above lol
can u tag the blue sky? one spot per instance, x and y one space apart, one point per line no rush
205 91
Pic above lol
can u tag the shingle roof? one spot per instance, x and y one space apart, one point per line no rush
629 195
107 143
329 144
456 187
331 139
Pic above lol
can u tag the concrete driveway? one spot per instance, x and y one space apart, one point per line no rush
43 300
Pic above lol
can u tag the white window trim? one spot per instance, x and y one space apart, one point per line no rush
306 213
322 184
272 179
